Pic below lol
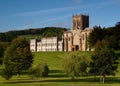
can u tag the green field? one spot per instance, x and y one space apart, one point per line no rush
56 76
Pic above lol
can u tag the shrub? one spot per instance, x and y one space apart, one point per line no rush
6 73
41 70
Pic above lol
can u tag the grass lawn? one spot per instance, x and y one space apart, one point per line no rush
57 81
53 59
56 76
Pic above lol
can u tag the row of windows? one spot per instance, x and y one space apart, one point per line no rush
32 45
49 44
46 49
51 49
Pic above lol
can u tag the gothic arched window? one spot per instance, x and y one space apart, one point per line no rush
83 36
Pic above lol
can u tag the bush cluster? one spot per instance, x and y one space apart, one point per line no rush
40 70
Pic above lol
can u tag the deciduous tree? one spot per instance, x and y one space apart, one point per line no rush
97 34
104 62
18 56
75 64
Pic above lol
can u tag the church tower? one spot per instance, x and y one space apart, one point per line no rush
76 39
80 22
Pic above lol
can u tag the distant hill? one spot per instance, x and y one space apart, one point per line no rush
41 32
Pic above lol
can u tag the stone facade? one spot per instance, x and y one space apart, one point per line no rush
33 45
46 44
76 39
72 40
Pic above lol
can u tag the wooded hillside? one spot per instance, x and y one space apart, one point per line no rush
43 32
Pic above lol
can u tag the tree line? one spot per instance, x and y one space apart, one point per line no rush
43 32
3 46
110 35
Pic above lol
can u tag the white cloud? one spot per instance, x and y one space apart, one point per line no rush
81 8
45 21
71 8
62 24
44 11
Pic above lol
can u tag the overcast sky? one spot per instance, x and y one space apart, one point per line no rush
24 14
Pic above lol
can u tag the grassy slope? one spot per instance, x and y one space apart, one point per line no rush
54 60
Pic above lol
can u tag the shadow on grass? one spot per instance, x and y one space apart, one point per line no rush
56 73
59 76
110 80
48 80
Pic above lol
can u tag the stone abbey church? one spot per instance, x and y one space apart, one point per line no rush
72 40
